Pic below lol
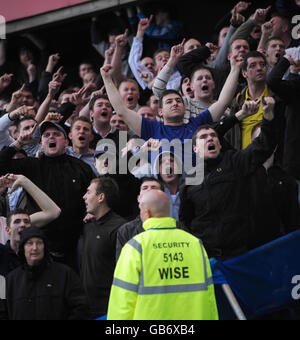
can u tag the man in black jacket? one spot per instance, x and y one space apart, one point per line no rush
217 210
288 91
99 243
128 230
41 289
64 179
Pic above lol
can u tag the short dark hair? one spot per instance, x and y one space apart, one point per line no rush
82 119
19 121
283 18
152 179
28 89
172 156
129 80
159 51
167 92
93 100
117 30
109 187
87 62
202 127
271 39
201 67
17 211
252 54
232 42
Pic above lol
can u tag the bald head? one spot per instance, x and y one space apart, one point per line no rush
154 203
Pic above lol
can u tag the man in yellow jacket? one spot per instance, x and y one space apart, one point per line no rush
162 273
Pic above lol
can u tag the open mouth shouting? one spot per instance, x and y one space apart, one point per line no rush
52 145
130 99
104 114
212 150
211 147
82 140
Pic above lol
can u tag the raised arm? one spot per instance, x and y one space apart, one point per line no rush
218 108
85 111
136 51
5 81
259 151
54 87
121 41
49 210
266 30
160 83
46 76
227 122
8 119
258 18
16 99
236 21
131 118
286 89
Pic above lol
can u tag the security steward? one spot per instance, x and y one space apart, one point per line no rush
162 273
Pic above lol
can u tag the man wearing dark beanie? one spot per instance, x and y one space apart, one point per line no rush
41 289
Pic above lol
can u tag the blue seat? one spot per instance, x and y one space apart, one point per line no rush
103 317
262 279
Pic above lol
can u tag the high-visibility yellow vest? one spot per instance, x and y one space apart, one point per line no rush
163 274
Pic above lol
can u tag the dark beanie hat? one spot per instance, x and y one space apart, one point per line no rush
26 235
29 233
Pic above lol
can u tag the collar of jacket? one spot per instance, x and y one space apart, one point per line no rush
240 97
103 218
159 223
55 158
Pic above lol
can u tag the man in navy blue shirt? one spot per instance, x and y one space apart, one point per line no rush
172 108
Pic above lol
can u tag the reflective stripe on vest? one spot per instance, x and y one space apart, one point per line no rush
142 290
